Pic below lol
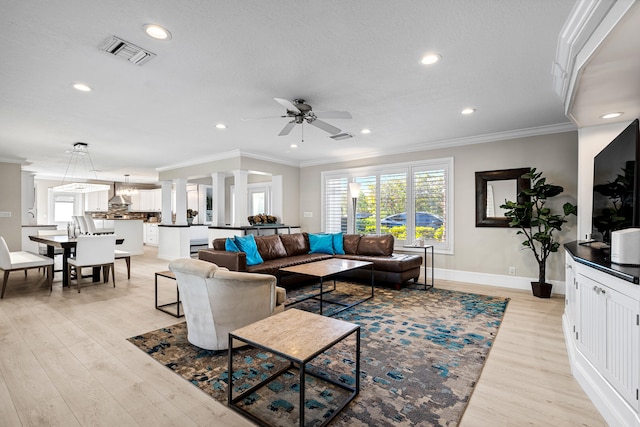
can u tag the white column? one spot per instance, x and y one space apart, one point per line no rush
219 193
277 209
181 201
241 179
166 201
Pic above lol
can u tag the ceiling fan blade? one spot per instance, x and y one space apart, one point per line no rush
287 128
333 114
325 127
288 105
244 119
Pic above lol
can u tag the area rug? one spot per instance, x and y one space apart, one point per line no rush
422 353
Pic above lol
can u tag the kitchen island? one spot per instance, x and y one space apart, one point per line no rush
131 230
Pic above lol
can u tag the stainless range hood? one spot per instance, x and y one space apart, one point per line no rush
118 200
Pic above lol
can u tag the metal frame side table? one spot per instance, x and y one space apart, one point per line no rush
169 275
425 247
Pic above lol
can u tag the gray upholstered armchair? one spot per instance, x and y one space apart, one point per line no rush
217 301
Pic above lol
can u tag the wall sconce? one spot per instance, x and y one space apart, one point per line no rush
354 191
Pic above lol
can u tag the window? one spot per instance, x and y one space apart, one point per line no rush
409 200
64 206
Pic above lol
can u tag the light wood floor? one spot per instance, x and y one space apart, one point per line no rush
65 361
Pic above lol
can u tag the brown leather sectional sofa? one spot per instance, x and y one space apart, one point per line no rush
284 250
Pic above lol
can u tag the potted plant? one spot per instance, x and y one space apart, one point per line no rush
537 224
190 215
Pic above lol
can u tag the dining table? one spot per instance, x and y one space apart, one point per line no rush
67 244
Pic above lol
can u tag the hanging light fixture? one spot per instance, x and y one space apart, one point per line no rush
79 166
126 189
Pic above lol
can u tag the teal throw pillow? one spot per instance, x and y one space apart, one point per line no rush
338 246
230 245
247 244
321 244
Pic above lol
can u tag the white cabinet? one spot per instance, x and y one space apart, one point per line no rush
602 332
96 201
146 201
151 234
610 334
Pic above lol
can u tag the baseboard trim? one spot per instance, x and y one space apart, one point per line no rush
513 282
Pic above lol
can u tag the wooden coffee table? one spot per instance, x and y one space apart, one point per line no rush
297 336
325 269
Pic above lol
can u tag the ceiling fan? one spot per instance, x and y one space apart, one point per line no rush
299 111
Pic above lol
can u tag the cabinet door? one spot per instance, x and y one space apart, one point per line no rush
96 201
591 333
570 298
135 202
622 344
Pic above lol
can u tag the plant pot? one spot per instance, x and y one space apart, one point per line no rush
541 290
190 221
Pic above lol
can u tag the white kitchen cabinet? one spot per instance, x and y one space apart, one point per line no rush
151 234
96 201
146 201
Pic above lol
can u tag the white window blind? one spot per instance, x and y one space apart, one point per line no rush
335 204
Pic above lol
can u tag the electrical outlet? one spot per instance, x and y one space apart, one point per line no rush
512 271
308 214
5 214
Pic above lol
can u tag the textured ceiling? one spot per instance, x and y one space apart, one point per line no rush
227 60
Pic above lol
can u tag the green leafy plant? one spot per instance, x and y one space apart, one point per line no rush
536 221
191 213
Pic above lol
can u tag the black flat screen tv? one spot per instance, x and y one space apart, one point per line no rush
616 187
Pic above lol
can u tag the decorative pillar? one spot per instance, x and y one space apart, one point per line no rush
240 202
181 201
166 202
219 192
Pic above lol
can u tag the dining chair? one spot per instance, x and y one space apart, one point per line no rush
81 223
21 260
93 251
42 250
91 225
119 254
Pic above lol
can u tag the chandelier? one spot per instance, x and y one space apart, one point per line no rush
78 168
126 189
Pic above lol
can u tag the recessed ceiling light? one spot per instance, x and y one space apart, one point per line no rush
610 115
468 111
294 145
82 87
157 32
431 58
365 131
221 126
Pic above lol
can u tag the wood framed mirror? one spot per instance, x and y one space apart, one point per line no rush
492 189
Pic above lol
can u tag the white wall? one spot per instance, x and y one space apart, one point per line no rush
591 141
11 201
481 255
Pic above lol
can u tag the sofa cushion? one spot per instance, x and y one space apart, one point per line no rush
350 243
376 245
295 244
247 244
230 245
320 244
338 244
270 247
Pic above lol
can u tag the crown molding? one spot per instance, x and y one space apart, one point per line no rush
480 139
589 23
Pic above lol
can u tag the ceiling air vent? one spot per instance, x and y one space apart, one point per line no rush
341 136
124 49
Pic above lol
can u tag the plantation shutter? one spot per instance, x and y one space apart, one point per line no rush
430 195
335 196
